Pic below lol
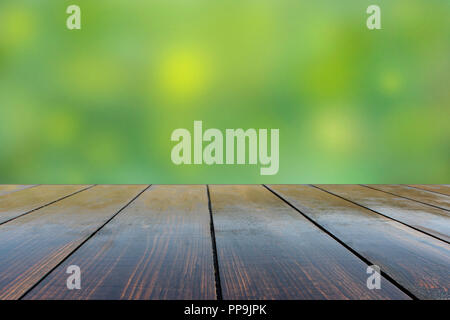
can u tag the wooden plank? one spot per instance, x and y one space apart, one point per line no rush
159 247
430 220
267 250
9 188
35 243
416 261
443 189
426 197
16 204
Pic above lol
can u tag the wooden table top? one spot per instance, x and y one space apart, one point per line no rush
224 241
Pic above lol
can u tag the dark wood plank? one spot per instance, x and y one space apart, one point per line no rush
418 262
420 216
423 196
9 188
35 243
15 204
267 250
443 189
159 247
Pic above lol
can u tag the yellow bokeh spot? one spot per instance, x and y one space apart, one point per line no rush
390 82
184 74
336 131
17 26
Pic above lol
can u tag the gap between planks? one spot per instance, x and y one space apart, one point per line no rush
381 214
83 242
404 197
354 252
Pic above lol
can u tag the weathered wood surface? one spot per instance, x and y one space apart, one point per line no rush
425 218
416 261
9 188
422 196
159 247
13 205
267 250
443 189
279 242
34 244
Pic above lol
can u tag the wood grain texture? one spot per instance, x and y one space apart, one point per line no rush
422 217
9 188
423 196
418 262
439 188
267 250
15 204
35 243
159 247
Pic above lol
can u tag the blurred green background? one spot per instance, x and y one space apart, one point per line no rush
98 105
